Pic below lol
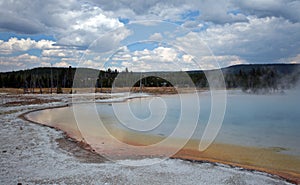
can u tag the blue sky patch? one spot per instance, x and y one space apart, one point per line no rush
35 52
142 45
123 20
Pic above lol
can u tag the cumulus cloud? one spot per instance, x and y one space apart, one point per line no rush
62 53
60 17
192 44
15 45
23 61
63 18
159 54
87 25
73 22
156 37
62 64
187 58
260 40
158 59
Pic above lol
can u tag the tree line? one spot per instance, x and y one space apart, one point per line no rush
249 78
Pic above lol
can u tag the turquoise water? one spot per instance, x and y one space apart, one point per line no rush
250 120
263 120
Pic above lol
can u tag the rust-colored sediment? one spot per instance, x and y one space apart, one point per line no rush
264 160
251 158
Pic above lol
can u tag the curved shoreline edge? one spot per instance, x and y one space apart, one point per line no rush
80 143
291 178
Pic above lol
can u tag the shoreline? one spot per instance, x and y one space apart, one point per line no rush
78 91
184 154
291 177
66 137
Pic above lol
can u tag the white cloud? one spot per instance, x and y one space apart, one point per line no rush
291 60
15 45
93 24
255 31
260 40
62 64
158 59
23 61
62 53
187 58
166 59
87 24
24 58
295 60
60 17
72 22
192 44
165 54
91 64
6 63
55 53
159 54
156 37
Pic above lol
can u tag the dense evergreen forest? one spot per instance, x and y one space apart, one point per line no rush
250 78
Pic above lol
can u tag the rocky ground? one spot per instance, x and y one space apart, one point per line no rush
35 154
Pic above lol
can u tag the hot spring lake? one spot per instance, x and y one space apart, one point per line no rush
258 131
267 121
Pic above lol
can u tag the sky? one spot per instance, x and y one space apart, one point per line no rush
148 35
